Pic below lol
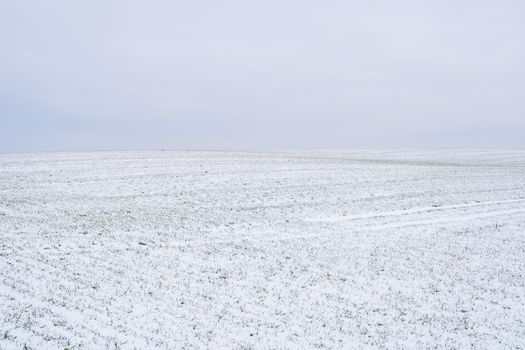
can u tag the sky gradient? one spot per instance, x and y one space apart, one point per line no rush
250 75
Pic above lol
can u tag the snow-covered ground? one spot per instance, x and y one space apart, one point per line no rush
284 250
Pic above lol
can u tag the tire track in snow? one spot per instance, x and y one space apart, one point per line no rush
416 210
277 237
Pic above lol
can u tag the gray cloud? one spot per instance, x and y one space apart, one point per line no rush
258 75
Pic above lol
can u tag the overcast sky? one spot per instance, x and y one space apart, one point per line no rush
241 74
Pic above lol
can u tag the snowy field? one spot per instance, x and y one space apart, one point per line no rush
285 250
